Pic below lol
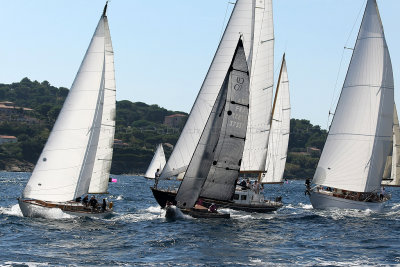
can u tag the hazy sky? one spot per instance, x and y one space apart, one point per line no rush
163 48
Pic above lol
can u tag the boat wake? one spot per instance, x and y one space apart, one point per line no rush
149 214
13 211
174 213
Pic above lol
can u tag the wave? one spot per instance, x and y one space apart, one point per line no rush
13 211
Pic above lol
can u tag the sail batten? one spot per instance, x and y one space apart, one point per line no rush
358 143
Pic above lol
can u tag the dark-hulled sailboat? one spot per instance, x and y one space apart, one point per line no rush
214 168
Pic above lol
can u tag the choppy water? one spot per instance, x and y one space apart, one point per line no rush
138 234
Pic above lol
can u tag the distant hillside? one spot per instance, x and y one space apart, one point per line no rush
139 127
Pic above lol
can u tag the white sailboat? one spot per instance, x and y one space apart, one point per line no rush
157 163
214 168
77 142
391 175
351 166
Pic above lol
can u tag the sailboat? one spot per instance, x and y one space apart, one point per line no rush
157 163
77 154
352 163
391 174
255 25
214 168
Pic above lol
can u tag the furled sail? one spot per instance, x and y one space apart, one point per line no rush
359 139
391 175
214 167
280 130
157 162
65 165
253 21
261 87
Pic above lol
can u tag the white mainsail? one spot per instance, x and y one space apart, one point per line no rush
102 166
158 162
280 130
65 165
359 139
391 174
261 87
253 21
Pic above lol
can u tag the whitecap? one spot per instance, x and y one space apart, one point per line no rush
13 210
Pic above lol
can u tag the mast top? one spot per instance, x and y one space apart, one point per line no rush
105 9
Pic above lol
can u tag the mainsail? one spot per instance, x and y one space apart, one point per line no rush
391 175
102 166
253 21
65 165
280 130
359 139
214 167
157 162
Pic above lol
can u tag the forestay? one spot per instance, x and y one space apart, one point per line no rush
102 166
359 139
240 24
280 129
214 168
65 165
157 162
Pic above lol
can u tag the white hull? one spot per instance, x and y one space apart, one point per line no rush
34 210
325 201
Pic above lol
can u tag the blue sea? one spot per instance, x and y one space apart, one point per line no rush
139 235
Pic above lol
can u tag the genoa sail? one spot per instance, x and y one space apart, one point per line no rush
157 163
214 167
360 135
280 129
65 166
253 21
102 166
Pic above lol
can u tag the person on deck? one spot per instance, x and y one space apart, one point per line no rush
212 208
243 184
93 202
85 201
382 195
156 176
104 205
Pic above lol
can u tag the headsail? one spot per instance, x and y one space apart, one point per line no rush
280 130
391 175
157 162
102 167
240 24
214 167
65 165
358 142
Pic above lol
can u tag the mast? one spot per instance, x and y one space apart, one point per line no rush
277 89
358 142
